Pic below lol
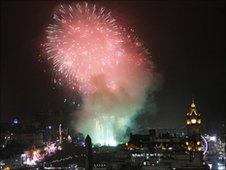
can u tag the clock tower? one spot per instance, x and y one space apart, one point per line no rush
194 124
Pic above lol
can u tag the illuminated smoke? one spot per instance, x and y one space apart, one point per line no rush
105 62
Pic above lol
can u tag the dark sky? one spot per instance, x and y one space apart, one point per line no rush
185 38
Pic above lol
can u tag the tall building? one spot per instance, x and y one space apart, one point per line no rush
89 153
194 126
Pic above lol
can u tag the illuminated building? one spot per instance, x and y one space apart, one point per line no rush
138 141
194 125
158 140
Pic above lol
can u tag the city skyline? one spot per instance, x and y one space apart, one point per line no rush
185 41
112 85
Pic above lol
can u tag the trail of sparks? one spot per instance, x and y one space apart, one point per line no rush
105 62
84 41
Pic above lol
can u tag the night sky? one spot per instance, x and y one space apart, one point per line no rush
185 40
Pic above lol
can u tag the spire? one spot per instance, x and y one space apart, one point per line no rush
193 109
193 103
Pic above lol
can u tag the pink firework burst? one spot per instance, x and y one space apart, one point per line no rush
85 42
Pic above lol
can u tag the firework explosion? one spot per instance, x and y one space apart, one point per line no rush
103 60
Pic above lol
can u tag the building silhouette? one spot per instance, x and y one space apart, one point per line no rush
89 153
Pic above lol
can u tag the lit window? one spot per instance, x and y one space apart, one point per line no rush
193 121
188 122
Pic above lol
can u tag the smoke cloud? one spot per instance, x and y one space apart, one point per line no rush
106 63
108 113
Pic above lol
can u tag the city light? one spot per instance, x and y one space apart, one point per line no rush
188 122
199 121
112 85
193 121
33 156
220 166
213 138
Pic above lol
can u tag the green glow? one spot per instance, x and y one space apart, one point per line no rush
104 133
104 130
108 113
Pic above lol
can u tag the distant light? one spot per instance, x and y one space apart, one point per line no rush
7 168
213 138
69 138
59 148
193 121
221 167
210 166
49 127
15 121
188 122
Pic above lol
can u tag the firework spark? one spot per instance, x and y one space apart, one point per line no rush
84 41
102 59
